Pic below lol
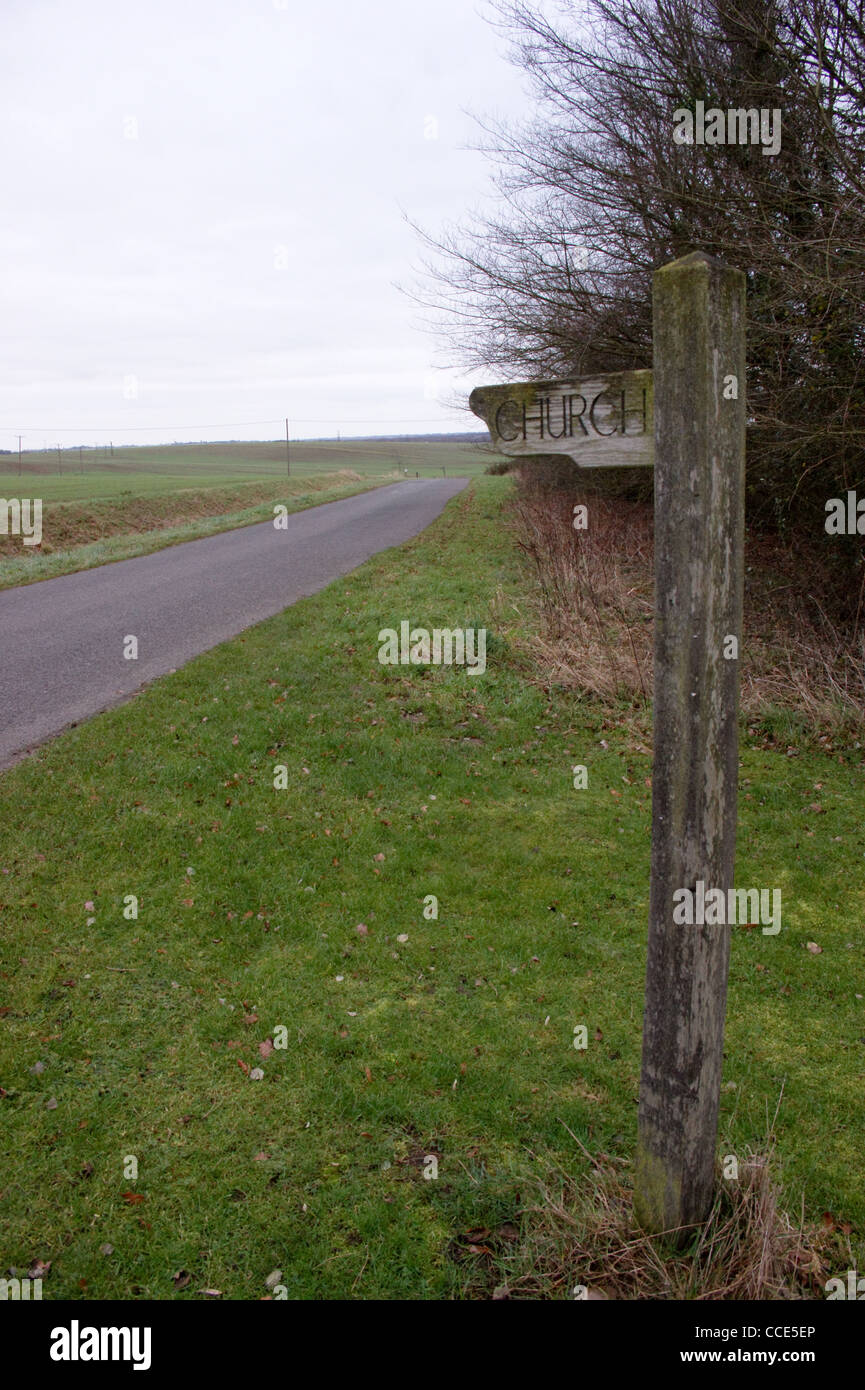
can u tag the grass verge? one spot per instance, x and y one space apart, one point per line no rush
803 644
129 1043
137 525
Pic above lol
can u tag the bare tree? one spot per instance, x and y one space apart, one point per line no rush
597 194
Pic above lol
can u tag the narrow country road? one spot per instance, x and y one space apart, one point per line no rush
61 640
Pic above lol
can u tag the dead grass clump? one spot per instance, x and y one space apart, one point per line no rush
595 589
803 637
581 1234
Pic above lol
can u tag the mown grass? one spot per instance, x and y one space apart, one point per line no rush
455 1043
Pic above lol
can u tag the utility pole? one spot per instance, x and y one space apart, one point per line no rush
112 449
80 458
19 456
59 460
287 451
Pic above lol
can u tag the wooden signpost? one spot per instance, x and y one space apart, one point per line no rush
693 407
601 421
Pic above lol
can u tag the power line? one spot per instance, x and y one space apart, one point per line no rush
137 429
218 425
387 446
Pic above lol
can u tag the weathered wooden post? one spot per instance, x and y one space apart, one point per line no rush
696 392
699 372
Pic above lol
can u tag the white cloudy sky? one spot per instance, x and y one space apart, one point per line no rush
202 214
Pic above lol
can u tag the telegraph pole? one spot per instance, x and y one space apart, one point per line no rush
19 456
287 451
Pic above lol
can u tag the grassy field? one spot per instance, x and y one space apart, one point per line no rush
162 468
144 499
417 1037
137 525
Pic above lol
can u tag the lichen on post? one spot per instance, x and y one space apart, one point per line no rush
699 382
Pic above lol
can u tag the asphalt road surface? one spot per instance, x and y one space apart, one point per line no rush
61 640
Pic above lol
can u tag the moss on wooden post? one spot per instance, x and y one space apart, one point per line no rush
699 378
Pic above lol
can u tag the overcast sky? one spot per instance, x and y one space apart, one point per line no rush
202 212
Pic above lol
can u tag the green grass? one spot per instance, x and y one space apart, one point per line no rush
113 484
142 499
456 1042
144 470
128 526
